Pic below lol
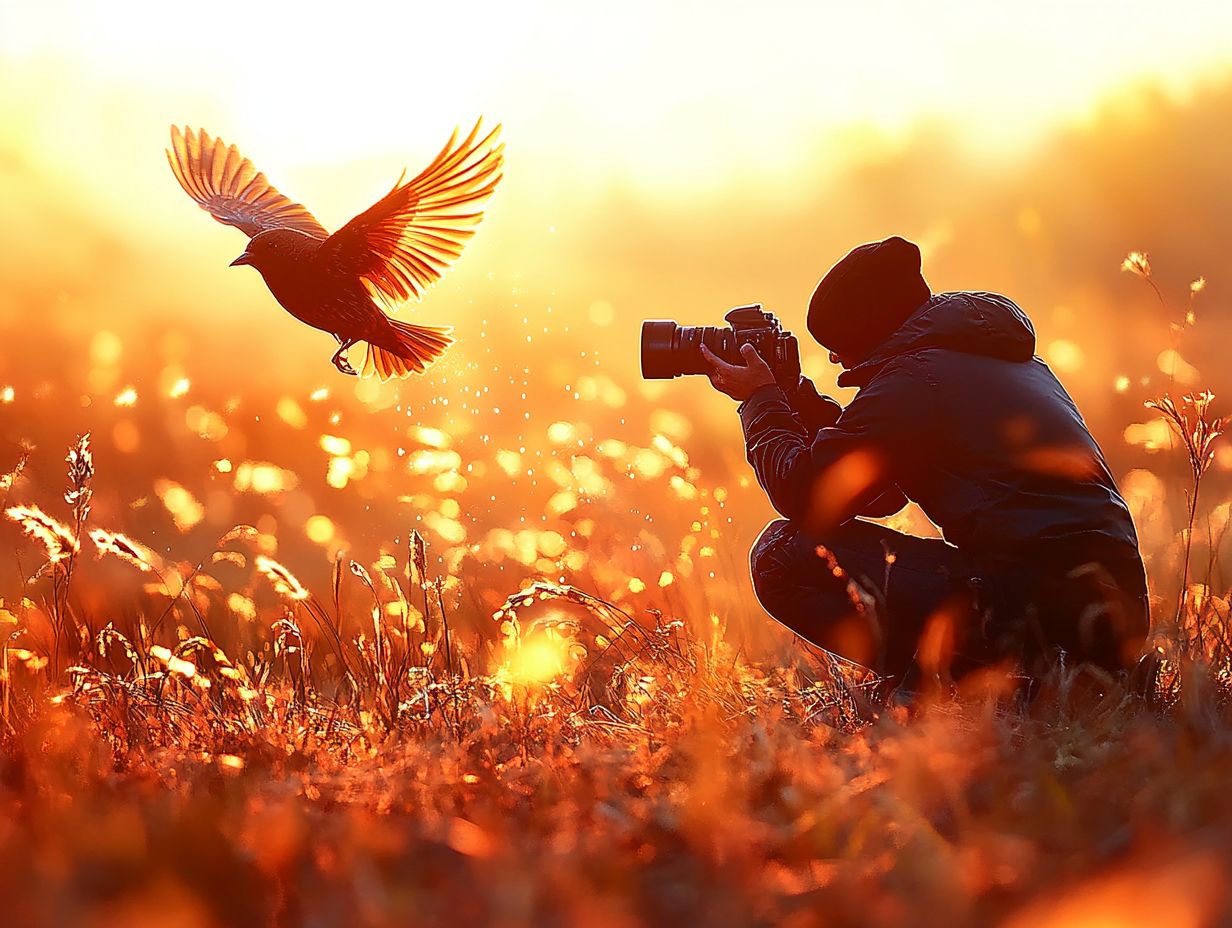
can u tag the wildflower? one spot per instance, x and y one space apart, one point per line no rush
1139 263
1197 430
1192 422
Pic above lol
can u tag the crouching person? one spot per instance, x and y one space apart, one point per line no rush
954 412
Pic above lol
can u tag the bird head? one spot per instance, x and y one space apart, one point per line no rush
275 247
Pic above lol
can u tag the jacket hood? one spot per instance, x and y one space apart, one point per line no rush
972 322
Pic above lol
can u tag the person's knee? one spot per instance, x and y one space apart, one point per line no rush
770 555
803 592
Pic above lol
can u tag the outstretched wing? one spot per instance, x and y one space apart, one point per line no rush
405 241
224 183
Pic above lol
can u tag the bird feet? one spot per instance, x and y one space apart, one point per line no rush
340 361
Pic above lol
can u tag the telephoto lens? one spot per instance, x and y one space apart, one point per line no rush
670 350
658 335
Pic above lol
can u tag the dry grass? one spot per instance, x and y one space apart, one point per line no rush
579 765
679 785
510 674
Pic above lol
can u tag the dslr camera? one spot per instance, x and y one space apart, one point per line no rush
670 350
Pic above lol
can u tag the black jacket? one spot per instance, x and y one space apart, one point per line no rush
955 413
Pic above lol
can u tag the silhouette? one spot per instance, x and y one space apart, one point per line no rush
390 252
956 413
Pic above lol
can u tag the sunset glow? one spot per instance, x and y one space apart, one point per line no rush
511 632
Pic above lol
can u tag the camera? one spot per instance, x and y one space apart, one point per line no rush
670 350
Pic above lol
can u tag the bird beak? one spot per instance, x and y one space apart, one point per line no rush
245 258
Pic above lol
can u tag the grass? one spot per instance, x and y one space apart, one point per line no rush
581 766
714 796
550 714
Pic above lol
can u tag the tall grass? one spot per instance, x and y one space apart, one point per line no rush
236 746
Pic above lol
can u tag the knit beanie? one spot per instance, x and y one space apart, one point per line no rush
864 298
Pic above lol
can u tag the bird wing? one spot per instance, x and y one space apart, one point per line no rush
406 240
225 184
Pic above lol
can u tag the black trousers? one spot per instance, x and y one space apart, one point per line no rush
897 602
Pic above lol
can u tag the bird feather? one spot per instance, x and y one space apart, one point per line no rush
229 188
406 240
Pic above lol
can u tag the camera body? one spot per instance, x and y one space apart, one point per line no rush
671 350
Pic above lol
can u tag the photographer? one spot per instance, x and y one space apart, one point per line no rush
955 413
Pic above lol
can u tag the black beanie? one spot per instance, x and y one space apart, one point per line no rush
866 296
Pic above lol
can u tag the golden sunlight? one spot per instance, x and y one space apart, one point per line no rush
669 95
911 609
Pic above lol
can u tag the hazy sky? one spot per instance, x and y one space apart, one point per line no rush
673 92
332 100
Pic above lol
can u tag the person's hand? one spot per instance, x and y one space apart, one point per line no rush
738 381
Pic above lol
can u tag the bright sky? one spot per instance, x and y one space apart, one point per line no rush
666 92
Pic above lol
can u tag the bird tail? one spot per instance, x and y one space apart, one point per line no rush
409 351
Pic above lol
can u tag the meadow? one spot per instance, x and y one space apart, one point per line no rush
282 648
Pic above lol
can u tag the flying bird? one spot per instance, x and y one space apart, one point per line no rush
389 253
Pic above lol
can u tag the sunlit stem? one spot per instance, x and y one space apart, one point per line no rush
1189 530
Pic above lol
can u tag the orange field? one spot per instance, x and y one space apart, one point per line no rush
282 647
